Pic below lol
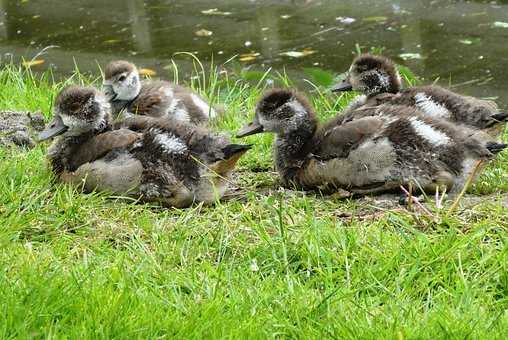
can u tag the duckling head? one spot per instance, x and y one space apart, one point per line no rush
77 110
371 75
121 81
282 112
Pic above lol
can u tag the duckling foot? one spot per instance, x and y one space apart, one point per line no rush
406 200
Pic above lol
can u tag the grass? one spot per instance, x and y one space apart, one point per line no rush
276 263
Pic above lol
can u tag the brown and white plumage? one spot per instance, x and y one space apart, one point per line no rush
378 80
127 94
395 145
153 159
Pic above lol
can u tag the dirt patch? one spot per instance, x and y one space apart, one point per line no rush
20 128
370 207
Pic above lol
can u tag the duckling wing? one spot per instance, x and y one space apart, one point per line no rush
351 155
153 100
118 172
137 123
101 144
364 106
338 140
439 102
197 110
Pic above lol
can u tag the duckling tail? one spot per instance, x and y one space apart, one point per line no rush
233 149
496 147
232 154
500 116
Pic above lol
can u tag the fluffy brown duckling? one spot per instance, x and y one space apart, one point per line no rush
129 95
396 145
169 162
81 125
378 80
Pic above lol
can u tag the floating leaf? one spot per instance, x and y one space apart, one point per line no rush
37 16
410 56
215 11
375 19
34 62
345 20
501 24
147 72
248 56
285 16
470 41
203 33
298 54
112 41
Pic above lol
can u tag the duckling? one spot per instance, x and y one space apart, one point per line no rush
152 98
395 145
81 121
164 161
378 80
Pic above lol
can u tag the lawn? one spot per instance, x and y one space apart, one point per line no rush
266 262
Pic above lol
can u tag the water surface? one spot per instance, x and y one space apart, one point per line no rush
459 42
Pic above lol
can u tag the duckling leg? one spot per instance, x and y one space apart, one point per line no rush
406 200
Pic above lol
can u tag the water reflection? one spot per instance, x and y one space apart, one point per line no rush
462 42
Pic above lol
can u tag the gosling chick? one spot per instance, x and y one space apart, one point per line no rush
378 80
168 162
396 145
129 95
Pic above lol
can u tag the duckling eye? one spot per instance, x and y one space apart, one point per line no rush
75 107
122 78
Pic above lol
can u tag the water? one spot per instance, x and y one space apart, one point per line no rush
459 42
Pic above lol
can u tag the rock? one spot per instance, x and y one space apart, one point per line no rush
19 128
21 138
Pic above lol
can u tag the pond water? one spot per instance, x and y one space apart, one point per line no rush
463 43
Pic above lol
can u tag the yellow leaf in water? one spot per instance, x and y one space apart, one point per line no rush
248 56
112 41
203 33
147 72
308 51
34 62
37 16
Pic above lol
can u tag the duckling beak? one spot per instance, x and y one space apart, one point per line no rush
345 85
108 91
54 128
250 129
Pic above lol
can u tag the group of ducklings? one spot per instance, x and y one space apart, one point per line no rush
160 148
